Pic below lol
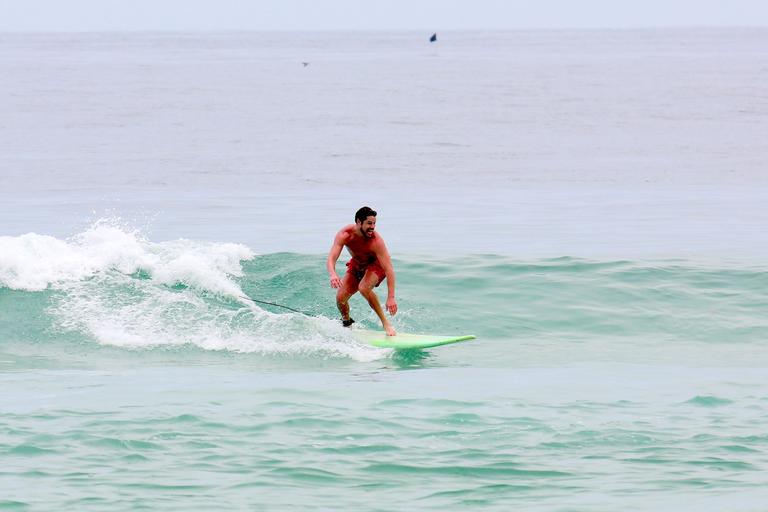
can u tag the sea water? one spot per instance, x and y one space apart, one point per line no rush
589 204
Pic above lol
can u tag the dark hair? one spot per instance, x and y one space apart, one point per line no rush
363 213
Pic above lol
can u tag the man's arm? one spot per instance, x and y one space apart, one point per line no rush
333 256
382 254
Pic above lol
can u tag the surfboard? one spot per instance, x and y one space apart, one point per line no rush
405 341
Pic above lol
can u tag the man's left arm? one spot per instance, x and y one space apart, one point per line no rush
382 254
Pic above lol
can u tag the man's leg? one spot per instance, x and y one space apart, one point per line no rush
348 288
370 280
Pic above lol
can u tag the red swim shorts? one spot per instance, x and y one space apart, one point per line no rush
357 270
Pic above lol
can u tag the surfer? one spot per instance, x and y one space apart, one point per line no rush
369 266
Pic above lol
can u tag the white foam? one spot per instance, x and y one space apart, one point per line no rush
161 317
101 296
35 262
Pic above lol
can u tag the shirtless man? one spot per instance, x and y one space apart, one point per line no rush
369 266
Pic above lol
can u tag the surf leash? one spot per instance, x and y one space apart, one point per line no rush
274 304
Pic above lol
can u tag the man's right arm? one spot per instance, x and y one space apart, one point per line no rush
333 256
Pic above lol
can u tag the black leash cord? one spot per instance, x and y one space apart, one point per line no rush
273 304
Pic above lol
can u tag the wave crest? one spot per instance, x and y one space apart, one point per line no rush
34 262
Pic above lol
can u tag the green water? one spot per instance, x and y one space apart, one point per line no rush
592 385
564 299
231 436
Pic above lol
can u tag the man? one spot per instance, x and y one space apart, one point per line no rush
369 266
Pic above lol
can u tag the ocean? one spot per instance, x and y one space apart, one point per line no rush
590 204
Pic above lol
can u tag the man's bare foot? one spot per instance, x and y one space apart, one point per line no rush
390 330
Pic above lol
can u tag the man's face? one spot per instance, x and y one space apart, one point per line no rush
367 226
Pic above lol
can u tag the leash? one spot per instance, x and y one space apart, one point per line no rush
274 304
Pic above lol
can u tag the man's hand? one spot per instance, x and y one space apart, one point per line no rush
335 281
392 306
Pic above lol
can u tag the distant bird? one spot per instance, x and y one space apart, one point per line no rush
433 38
305 64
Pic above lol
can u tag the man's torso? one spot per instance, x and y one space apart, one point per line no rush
361 249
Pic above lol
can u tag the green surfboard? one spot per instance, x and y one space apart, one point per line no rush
405 341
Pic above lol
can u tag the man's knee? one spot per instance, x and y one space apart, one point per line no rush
365 290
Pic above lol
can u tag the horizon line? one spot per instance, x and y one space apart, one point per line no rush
377 30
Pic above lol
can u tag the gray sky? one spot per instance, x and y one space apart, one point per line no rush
108 15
